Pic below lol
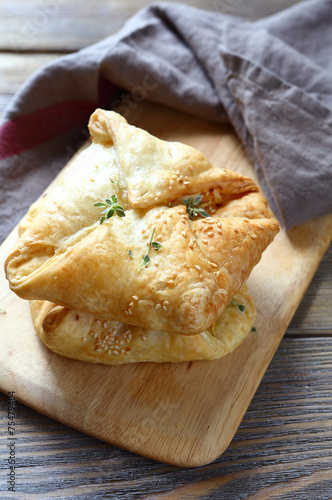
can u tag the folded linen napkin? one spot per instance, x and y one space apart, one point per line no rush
272 79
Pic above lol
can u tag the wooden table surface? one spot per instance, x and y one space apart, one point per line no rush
283 448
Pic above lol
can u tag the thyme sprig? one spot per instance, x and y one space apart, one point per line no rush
111 206
155 244
192 209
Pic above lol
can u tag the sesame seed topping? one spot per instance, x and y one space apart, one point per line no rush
159 238
165 308
260 226
143 337
197 267
115 351
134 298
253 236
184 234
166 302
157 306
170 188
131 304
212 264
105 324
210 235
84 339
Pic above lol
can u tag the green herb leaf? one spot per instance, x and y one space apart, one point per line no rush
130 253
241 308
197 199
111 207
156 245
145 261
254 330
100 204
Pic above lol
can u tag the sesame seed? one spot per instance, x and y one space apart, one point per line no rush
159 238
219 231
157 306
84 339
95 335
260 226
171 182
186 264
210 235
127 332
105 324
187 183
201 276
165 308
156 198
170 188
109 352
122 351
131 304
143 337
115 351
205 242
212 264
198 268
191 245
166 303
191 168
98 322
253 236
246 220
184 234
134 298
165 221
236 230
212 210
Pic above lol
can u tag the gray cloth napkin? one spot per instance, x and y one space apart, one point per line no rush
271 79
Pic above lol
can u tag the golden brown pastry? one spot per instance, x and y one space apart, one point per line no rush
89 338
65 256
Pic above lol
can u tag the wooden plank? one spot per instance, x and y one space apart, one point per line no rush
15 69
281 450
160 410
314 314
63 25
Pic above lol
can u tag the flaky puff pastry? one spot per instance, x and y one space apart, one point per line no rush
65 256
88 338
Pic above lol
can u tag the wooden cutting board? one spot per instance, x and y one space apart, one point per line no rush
183 413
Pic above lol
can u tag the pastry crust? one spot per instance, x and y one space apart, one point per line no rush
65 256
88 338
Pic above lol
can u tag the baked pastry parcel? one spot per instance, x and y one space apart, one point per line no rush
144 235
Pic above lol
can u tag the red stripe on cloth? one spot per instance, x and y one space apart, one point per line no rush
28 131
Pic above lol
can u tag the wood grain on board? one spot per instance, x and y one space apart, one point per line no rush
183 413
